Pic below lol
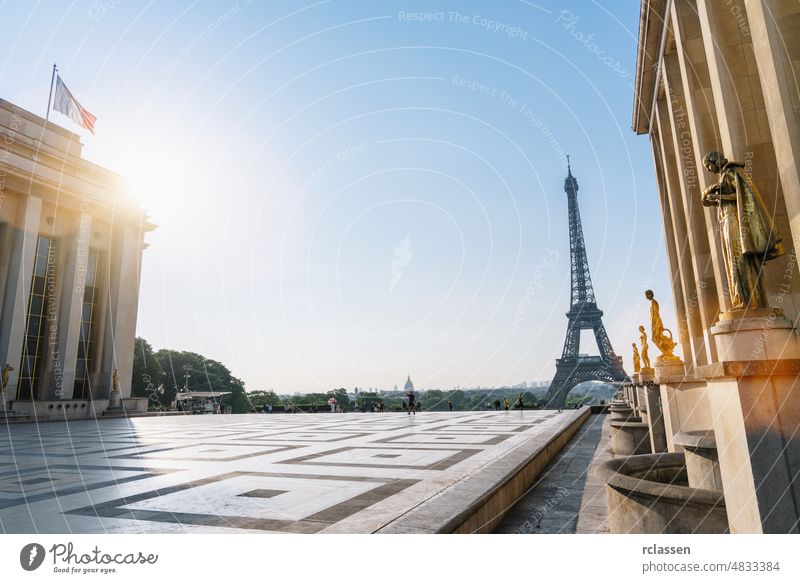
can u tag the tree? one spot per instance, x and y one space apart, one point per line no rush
260 399
148 376
341 397
205 374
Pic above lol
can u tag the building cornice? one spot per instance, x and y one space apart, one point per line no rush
652 27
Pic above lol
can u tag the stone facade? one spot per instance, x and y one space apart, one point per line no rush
721 76
71 243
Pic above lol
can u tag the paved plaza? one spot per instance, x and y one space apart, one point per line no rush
303 473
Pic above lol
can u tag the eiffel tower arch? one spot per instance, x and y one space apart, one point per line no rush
573 368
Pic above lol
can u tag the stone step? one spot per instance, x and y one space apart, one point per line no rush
115 412
13 417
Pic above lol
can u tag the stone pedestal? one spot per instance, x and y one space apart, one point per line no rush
684 402
754 395
115 399
655 418
702 461
760 337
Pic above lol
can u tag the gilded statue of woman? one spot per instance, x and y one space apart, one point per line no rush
749 238
637 362
661 337
643 341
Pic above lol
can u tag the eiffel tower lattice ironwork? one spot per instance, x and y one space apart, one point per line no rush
573 368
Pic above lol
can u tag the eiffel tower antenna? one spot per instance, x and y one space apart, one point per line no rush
573 368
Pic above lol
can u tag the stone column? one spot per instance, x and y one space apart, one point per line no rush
673 259
702 303
779 86
18 288
74 276
120 321
702 118
690 327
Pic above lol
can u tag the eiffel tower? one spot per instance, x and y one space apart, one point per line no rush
573 368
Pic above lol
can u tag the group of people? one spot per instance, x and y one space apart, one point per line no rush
505 404
496 405
413 405
374 407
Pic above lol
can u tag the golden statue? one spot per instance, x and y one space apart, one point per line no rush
643 341
4 376
115 381
749 238
637 363
658 334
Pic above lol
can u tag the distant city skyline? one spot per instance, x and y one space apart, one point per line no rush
349 192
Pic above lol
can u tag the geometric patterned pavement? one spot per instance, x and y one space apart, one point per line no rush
301 473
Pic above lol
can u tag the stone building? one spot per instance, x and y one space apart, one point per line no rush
71 245
722 428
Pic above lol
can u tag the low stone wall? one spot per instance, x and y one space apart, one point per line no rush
58 410
478 503
68 409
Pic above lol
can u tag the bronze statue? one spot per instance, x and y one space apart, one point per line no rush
7 369
643 340
661 337
637 363
749 238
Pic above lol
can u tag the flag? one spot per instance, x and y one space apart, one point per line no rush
65 103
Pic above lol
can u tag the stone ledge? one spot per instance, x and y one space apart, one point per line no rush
478 502
747 368
696 439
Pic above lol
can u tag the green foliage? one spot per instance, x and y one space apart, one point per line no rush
259 399
205 375
320 400
148 376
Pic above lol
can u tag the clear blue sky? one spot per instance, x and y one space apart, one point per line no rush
350 191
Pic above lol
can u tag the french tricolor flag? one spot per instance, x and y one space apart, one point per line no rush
64 102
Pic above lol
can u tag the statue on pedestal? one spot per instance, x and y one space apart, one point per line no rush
645 357
749 238
661 337
637 362
4 374
115 398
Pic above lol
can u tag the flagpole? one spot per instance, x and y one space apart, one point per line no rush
50 95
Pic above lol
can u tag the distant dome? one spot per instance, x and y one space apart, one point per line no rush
409 385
